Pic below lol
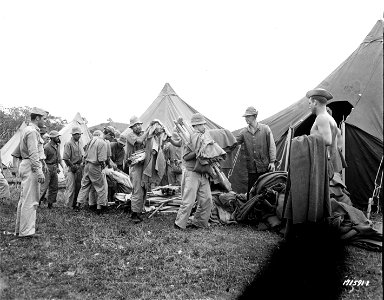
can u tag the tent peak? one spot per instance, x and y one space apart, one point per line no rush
78 118
167 90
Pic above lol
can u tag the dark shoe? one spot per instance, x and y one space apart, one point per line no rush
177 227
101 210
192 226
136 218
32 236
93 207
50 205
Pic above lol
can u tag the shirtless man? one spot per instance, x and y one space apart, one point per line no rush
324 125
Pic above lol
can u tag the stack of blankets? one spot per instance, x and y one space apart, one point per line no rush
265 210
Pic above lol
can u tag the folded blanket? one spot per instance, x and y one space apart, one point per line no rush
308 199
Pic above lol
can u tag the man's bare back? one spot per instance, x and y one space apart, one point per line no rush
325 126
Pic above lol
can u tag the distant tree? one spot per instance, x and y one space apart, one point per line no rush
109 120
11 119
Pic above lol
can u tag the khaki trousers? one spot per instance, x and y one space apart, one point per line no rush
4 187
138 192
73 185
29 200
194 187
93 177
51 184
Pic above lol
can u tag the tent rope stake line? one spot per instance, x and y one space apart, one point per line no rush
376 190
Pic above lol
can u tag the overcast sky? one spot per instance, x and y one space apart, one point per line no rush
110 59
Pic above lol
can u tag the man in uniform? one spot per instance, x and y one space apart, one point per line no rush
31 174
136 141
52 160
73 157
194 186
95 162
172 155
260 148
118 153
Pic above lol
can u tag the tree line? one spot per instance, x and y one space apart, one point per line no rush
11 118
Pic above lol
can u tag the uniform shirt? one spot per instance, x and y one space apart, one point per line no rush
96 151
28 147
117 154
260 148
172 152
109 151
73 151
132 145
52 154
187 149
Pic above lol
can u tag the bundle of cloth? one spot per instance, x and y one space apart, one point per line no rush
155 162
264 206
119 181
266 200
226 140
224 207
208 158
338 190
354 227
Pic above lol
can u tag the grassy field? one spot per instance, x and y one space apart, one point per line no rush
85 256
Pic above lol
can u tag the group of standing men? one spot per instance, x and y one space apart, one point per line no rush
86 179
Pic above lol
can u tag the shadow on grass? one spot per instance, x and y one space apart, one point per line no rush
309 267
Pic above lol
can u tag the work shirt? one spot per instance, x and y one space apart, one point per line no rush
132 145
109 151
172 152
73 151
189 164
28 147
260 148
52 153
117 153
96 151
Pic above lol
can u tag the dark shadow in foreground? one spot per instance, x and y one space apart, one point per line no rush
308 266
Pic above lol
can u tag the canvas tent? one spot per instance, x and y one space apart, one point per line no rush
167 107
66 135
10 146
357 88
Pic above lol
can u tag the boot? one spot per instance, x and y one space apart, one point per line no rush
136 218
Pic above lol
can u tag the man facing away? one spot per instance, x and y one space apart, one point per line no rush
73 157
31 174
260 148
52 160
118 152
95 162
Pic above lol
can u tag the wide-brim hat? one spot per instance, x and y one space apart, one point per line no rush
133 121
250 111
197 119
319 92
39 111
54 134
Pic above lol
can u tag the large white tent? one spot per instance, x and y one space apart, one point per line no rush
65 132
10 146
